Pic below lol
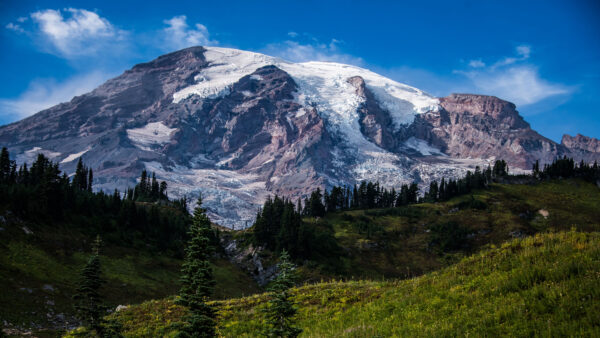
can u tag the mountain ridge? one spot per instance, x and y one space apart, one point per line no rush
238 126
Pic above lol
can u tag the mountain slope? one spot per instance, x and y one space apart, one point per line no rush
238 126
40 266
542 285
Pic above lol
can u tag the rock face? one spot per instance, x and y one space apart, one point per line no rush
237 126
479 126
581 143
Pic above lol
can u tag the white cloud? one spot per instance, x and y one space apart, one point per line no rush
513 79
179 35
292 34
45 93
15 27
75 32
312 51
476 63
523 53
521 85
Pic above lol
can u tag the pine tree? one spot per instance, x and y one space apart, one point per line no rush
80 179
197 280
90 180
280 310
88 301
4 165
163 191
317 209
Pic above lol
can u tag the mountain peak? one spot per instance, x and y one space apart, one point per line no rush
238 126
581 142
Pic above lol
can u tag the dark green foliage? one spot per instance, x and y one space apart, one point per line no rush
280 311
567 168
315 207
197 281
449 236
42 194
148 190
279 227
472 204
87 299
7 167
500 168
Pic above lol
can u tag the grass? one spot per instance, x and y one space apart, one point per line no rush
379 245
543 285
397 243
39 271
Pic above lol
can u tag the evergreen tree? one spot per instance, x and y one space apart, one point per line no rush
88 301
317 209
80 180
197 277
163 191
90 180
5 165
280 310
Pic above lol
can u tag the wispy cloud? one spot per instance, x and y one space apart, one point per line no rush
522 85
476 63
178 34
512 78
75 32
310 49
15 27
45 93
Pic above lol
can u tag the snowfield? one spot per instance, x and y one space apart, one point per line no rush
73 157
152 134
233 198
30 155
322 85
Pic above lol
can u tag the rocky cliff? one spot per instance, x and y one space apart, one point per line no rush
237 126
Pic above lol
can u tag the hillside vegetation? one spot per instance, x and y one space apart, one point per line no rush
39 273
410 240
47 223
547 284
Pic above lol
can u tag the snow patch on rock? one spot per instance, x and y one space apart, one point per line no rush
152 134
422 146
321 84
231 198
73 157
30 155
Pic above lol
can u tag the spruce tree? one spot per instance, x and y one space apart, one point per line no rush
197 278
90 180
4 165
88 301
317 209
280 310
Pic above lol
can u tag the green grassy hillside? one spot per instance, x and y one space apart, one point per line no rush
39 271
412 240
547 284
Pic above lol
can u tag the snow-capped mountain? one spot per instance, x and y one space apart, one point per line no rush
238 126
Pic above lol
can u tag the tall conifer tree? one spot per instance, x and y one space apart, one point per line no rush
197 279
88 301
280 310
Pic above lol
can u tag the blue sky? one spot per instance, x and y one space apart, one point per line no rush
542 55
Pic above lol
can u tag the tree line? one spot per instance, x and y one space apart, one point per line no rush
42 194
567 168
280 226
197 286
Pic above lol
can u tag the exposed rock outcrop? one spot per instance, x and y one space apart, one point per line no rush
581 143
238 126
